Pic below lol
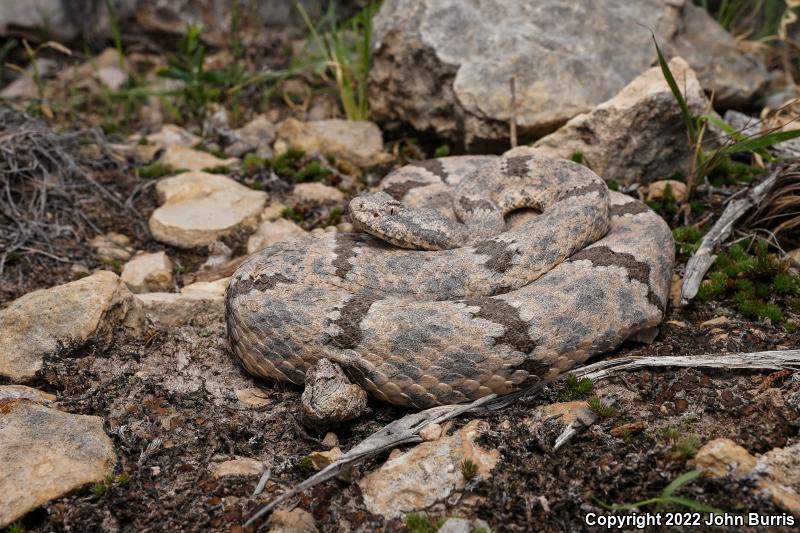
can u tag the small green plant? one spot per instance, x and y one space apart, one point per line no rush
346 52
682 446
201 86
667 498
253 163
575 389
32 55
469 469
419 523
311 171
305 465
706 163
156 170
16 527
442 151
577 157
600 408
291 213
287 163
687 239
613 185
101 488
667 204
116 33
755 280
333 217
219 169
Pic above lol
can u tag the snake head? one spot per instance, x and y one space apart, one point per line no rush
381 215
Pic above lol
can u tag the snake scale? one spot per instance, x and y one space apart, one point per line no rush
442 301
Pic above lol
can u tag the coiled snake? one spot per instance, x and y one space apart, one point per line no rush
445 302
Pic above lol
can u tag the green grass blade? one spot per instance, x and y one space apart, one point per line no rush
691 504
753 144
679 481
676 92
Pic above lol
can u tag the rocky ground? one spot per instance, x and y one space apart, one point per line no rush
135 180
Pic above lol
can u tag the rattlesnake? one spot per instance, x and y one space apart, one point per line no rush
483 308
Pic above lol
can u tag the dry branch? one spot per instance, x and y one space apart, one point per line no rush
704 257
406 430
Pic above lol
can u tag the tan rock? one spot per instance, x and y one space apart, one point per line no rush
187 159
330 440
148 273
273 211
45 454
329 397
112 247
270 232
568 412
68 316
294 521
714 322
170 135
431 432
656 190
317 192
356 142
255 136
240 466
720 457
21 392
176 309
198 208
214 288
322 459
633 136
794 257
427 473
253 396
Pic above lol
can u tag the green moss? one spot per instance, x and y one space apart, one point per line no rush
286 164
419 523
16 527
666 205
575 389
219 169
289 212
791 327
305 465
311 171
730 172
613 185
442 151
253 163
156 170
687 239
600 408
714 287
468 469
577 157
333 217
686 447
785 283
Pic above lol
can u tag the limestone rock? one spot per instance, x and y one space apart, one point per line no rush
255 136
329 397
198 208
21 392
183 158
66 317
112 247
431 432
357 142
253 396
776 473
657 190
270 232
463 525
446 65
294 521
636 136
148 273
175 309
317 192
169 135
240 466
322 459
427 473
214 288
46 453
330 440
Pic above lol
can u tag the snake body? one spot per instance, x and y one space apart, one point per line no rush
442 301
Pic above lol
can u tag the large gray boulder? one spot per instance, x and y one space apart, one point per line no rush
446 65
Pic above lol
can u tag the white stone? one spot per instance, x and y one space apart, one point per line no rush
198 208
270 232
182 158
317 192
148 272
65 317
240 466
357 142
47 453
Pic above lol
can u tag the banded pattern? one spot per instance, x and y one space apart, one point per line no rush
486 314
